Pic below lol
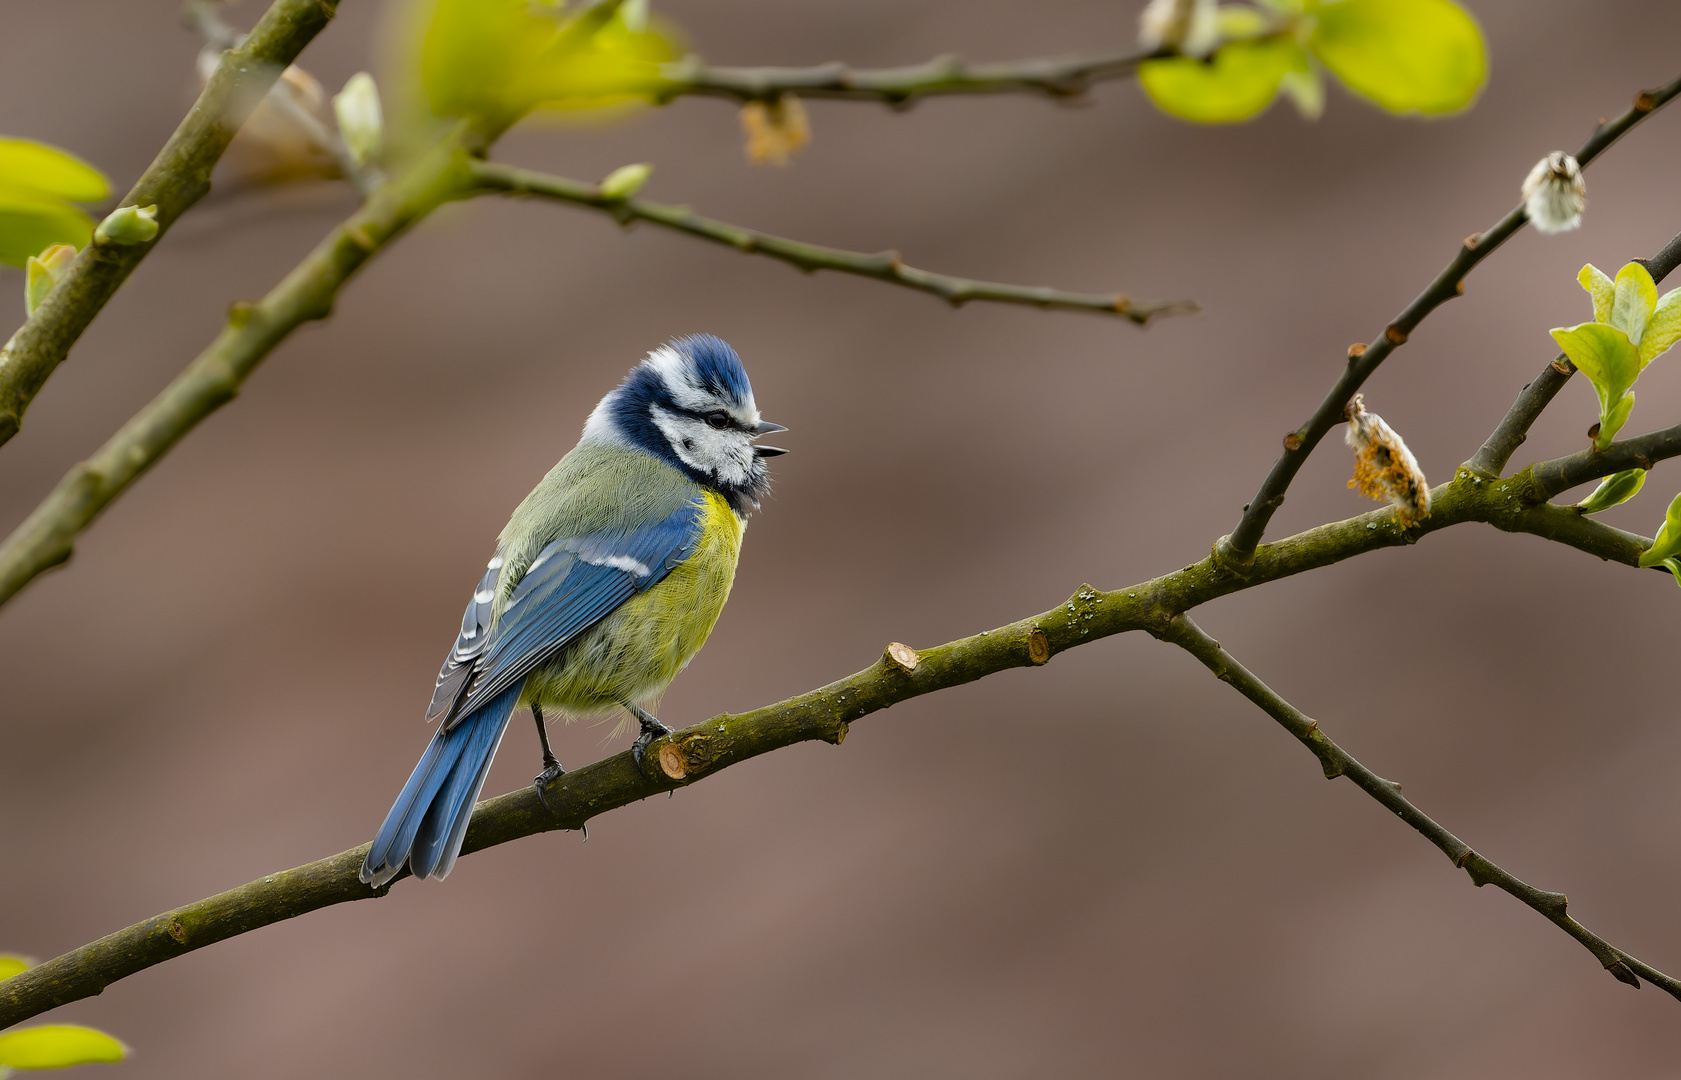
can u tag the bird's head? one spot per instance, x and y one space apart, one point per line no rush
689 403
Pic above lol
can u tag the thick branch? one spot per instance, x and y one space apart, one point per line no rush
700 751
1363 361
1057 76
884 266
177 178
47 537
1491 459
1336 762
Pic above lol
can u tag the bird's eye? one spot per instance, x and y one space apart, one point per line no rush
718 419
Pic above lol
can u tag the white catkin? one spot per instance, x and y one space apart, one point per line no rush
1554 194
1190 26
1383 466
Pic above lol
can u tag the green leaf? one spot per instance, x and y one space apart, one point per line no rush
49 172
1612 420
1663 329
30 224
1307 90
1601 288
502 58
10 965
54 1046
1422 56
1602 353
1632 301
1668 542
1674 568
1240 22
1239 81
1614 489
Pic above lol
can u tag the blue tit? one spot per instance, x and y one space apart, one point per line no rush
604 585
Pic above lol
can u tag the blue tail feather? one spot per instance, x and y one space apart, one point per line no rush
428 821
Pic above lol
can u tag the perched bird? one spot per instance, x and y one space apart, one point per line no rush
605 583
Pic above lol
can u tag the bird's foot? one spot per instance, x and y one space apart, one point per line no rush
651 730
551 772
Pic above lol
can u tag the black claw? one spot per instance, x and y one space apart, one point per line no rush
651 730
550 773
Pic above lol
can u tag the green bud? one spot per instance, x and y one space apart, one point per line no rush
361 121
128 225
44 270
1614 489
625 181
1674 567
1668 543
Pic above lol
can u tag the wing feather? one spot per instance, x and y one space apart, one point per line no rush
574 583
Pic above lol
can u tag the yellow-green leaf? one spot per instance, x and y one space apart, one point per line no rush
1422 56
1602 353
30 225
1601 288
1239 81
503 58
1632 301
10 965
54 1046
1668 542
1663 329
1614 489
48 171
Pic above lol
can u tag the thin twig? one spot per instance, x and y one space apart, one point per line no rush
701 751
176 179
1504 441
1363 361
1060 77
882 266
1335 761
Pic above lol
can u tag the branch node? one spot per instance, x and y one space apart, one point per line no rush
1357 350
1395 334
671 762
1623 974
1293 441
1472 241
902 656
1038 647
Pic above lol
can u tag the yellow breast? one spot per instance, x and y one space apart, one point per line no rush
635 652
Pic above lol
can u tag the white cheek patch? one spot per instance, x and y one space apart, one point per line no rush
724 454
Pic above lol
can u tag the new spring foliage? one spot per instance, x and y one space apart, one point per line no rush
38 186
51 1046
1405 56
1631 327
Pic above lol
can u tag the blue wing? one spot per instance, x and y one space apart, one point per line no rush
573 583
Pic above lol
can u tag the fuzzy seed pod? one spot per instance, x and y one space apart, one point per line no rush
1383 466
775 129
1189 26
1554 194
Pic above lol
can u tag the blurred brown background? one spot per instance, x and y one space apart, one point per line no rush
1114 866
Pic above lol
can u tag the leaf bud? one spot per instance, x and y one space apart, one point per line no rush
1668 542
361 122
1383 466
1554 194
625 181
128 225
44 270
1614 489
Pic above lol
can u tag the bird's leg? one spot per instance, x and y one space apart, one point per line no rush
551 767
651 730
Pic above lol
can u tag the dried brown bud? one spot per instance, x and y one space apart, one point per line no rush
1383 466
775 129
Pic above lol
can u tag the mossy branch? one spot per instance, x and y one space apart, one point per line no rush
882 266
1335 761
1061 77
1364 360
178 177
703 750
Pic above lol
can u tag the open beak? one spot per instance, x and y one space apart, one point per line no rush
765 427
